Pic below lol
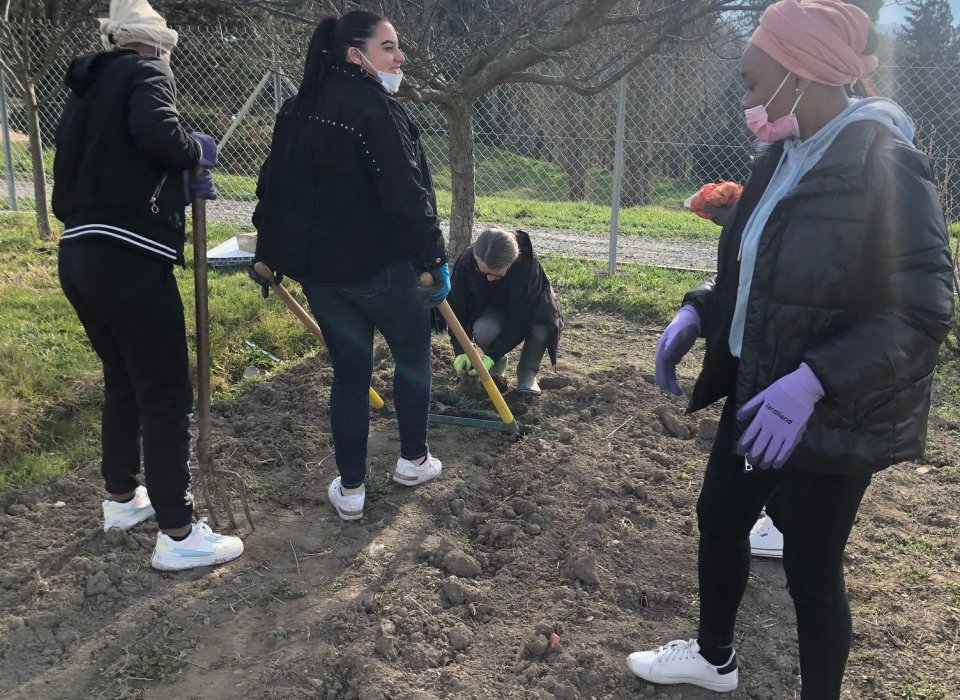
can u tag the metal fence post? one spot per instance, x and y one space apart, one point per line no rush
7 148
277 83
617 174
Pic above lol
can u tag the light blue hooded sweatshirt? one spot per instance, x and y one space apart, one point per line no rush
797 160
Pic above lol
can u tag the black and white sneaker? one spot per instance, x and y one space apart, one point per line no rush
680 662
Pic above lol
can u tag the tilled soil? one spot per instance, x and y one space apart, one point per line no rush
529 569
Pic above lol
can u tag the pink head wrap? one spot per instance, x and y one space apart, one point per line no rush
821 40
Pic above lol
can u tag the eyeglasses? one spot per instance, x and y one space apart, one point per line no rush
487 273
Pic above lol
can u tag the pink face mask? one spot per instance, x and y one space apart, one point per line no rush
783 128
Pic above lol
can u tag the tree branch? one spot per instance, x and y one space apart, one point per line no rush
52 52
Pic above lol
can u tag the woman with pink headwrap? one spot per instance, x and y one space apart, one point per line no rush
822 326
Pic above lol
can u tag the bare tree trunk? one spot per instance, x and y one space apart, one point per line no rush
459 114
575 168
36 156
640 168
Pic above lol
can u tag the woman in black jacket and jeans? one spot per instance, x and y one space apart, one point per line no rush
822 325
347 209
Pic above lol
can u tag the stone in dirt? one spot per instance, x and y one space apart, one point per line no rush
537 646
707 428
116 537
596 511
460 637
660 458
384 645
461 564
673 425
98 584
609 392
452 592
584 568
553 382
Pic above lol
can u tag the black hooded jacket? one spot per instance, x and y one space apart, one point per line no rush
853 277
121 153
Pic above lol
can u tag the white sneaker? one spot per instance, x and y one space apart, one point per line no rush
202 547
348 507
126 515
765 539
410 474
680 662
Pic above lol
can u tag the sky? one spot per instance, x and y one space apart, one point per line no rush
895 13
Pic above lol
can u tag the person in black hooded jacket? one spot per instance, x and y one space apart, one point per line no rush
823 324
347 209
502 297
120 187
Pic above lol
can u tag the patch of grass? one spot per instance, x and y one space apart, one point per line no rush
915 688
284 591
638 293
916 575
263 491
927 548
655 221
23 163
282 633
947 385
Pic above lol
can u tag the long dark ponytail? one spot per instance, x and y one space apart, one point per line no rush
330 41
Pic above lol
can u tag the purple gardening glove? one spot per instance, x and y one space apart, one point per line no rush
198 187
208 149
675 342
780 414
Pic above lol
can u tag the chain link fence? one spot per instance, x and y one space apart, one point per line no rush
545 157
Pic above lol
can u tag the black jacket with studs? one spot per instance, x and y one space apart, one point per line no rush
346 190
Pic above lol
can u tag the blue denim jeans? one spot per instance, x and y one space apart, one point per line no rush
389 302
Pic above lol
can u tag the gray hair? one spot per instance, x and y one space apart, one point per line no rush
496 249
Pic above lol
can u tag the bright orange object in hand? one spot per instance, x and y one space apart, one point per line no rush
718 194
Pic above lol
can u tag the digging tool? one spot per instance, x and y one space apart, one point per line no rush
306 319
427 280
206 468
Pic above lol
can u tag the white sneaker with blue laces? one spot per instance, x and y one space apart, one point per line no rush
126 515
202 547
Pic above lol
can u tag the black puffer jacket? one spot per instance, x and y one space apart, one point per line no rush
346 190
121 153
524 298
853 277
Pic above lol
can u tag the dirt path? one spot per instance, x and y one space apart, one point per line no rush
586 531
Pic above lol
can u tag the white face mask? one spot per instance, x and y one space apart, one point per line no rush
390 81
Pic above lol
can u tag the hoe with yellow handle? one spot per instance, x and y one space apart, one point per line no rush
427 280
266 273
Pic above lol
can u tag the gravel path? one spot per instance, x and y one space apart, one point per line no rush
661 252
